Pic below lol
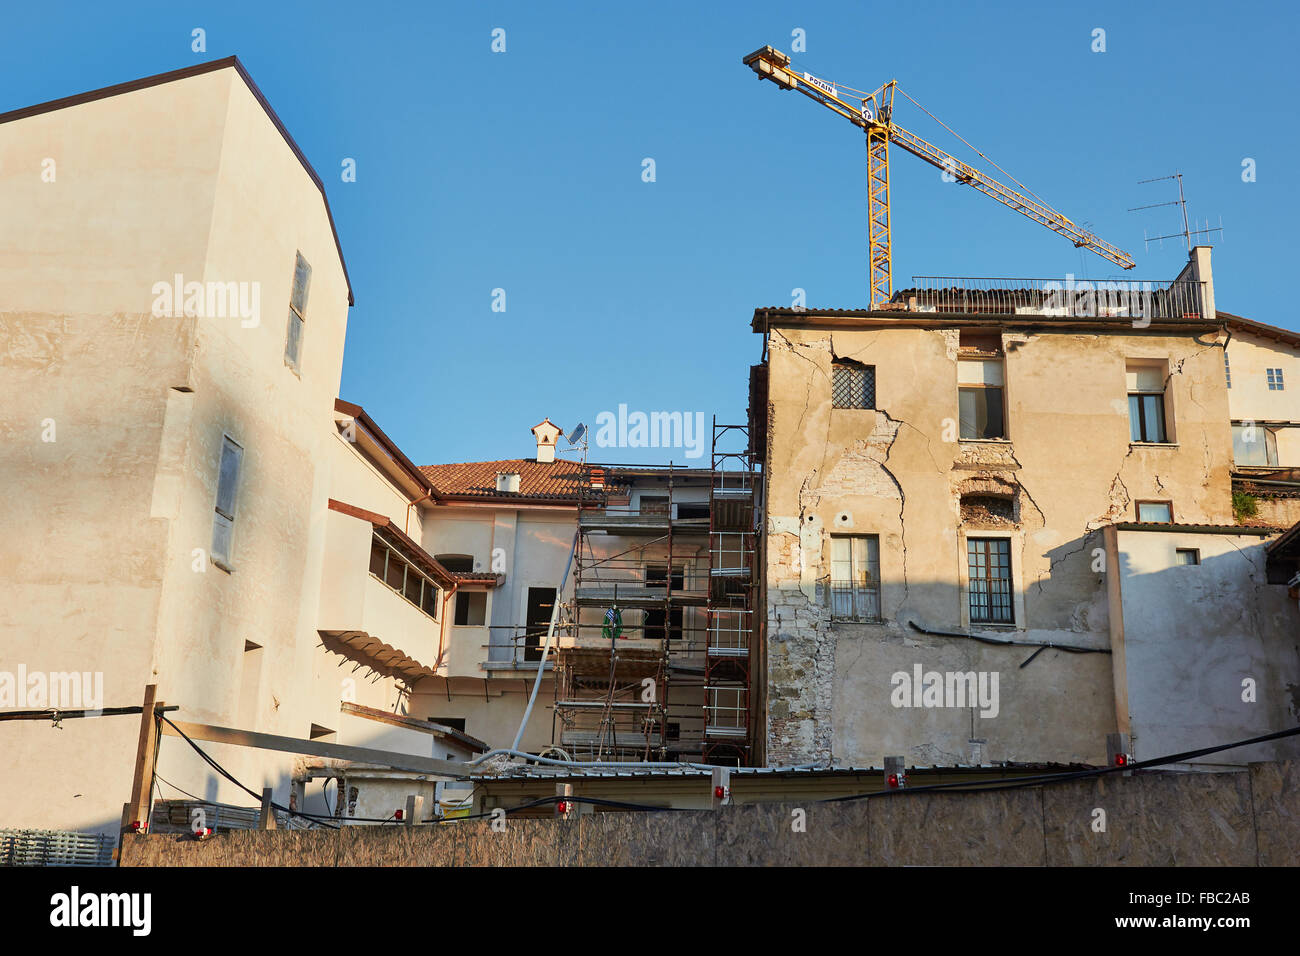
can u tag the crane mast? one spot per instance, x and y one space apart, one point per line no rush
874 115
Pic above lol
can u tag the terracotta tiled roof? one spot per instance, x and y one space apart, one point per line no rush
558 479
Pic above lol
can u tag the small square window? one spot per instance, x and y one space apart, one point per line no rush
1155 512
1187 556
1274 379
853 385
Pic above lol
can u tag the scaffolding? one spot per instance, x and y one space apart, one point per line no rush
653 659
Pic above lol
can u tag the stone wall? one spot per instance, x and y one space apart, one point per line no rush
1159 819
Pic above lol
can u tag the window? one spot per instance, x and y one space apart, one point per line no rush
657 625
853 385
537 621
1227 369
979 398
656 576
399 573
1274 379
1253 444
855 577
471 608
1155 512
297 313
456 563
223 522
1146 403
688 510
1187 556
654 504
989 584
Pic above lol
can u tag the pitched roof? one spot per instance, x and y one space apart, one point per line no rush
199 68
558 480
1285 336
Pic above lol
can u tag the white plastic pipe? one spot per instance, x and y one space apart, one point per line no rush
546 648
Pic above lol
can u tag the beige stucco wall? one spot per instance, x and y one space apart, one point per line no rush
890 472
1211 651
101 568
1250 398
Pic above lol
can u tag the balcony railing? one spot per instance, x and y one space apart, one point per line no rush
1138 300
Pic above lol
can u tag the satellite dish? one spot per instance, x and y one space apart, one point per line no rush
578 434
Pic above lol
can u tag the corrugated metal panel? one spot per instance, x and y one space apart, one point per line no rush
55 848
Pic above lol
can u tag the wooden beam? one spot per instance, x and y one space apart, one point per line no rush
142 780
316 748
266 821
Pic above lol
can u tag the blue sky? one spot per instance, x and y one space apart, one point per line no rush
522 171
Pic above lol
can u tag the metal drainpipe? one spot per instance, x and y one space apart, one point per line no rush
428 495
442 631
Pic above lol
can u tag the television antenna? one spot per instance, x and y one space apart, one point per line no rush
1181 202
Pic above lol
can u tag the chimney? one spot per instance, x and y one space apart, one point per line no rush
508 481
1199 263
546 433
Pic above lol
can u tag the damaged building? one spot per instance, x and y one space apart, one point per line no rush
987 477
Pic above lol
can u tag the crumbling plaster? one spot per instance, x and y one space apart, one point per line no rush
896 471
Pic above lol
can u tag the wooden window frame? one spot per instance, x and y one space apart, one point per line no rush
1003 547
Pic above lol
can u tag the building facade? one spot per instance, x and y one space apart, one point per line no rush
939 475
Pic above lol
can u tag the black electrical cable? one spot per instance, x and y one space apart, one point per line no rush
227 775
1015 783
977 786
255 795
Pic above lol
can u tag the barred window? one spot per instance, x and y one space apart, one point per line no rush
853 385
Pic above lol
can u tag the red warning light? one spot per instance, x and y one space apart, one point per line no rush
719 792
1121 760
893 780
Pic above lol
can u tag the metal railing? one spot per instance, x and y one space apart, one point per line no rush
729 632
55 848
727 711
1061 298
990 602
730 551
850 601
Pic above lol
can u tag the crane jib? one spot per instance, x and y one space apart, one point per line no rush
876 117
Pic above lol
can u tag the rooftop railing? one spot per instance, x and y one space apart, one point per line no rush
1135 299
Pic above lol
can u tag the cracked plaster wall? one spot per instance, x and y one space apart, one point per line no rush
890 472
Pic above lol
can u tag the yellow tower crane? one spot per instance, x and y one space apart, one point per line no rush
875 116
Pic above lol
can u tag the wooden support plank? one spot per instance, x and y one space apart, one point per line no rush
316 748
266 821
142 780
